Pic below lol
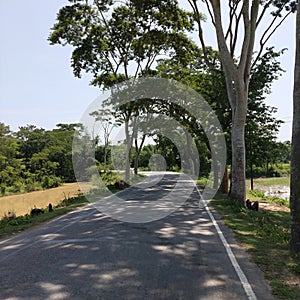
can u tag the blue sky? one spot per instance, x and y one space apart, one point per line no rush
37 85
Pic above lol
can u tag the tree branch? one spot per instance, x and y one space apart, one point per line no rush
263 12
228 65
246 40
238 18
263 42
193 4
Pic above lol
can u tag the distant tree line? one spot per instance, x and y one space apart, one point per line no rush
34 158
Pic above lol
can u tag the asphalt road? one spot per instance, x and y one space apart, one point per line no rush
87 255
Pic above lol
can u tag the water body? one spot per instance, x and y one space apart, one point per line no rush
277 191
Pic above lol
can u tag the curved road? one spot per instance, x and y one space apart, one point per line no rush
87 255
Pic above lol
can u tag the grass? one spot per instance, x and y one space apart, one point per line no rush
265 234
266 182
64 199
9 227
256 195
201 182
21 204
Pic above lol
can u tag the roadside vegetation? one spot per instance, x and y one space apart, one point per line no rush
266 236
33 158
20 223
270 181
12 224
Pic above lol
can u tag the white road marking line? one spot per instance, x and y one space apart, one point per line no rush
243 279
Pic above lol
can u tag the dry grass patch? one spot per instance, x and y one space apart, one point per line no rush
23 203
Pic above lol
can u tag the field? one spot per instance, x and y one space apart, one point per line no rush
271 181
22 204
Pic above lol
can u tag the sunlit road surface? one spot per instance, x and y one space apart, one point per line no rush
87 255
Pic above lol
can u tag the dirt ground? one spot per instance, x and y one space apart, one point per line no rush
23 203
273 206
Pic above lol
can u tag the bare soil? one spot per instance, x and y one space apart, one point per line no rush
273 206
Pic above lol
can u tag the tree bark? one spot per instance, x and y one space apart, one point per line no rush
238 171
295 151
128 152
237 83
137 153
224 183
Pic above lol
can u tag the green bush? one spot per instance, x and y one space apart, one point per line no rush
51 182
275 170
110 177
202 181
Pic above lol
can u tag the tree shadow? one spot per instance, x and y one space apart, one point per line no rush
90 256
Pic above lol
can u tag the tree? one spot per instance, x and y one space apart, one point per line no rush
295 150
117 41
261 126
105 117
11 166
60 149
238 61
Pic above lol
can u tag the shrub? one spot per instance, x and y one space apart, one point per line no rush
51 182
275 170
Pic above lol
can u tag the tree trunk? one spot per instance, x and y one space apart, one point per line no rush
237 78
136 157
238 171
295 151
251 176
216 174
128 152
137 153
224 183
190 153
105 154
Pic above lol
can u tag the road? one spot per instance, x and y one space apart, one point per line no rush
87 255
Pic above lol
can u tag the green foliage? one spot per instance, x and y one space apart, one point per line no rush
73 201
201 182
274 170
261 127
33 158
115 40
110 178
51 182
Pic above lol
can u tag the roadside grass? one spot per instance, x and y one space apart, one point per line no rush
265 234
21 223
201 182
25 221
21 204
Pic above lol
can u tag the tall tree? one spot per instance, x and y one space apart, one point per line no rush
245 18
116 41
295 150
10 166
261 126
107 124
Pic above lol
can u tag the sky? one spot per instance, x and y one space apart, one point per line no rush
37 85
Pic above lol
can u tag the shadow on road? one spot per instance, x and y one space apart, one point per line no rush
86 255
